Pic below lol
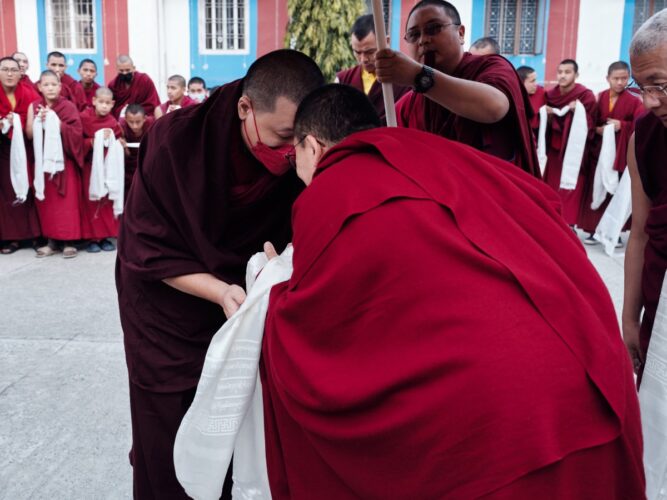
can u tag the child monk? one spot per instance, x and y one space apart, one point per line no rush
135 126
57 166
177 97
97 218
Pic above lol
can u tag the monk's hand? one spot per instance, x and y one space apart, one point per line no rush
395 67
10 118
232 298
631 339
270 250
572 105
107 133
41 112
615 123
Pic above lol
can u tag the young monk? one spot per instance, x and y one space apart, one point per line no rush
131 86
24 64
535 94
213 184
59 208
18 218
88 71
98 223
480 387
617 107
645 258
197 89
71 90
177 97
558 136
135 125
477 100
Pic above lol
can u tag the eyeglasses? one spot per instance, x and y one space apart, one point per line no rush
655 91
10 70
430 29
291 156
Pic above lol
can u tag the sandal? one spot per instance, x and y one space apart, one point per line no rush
45 251
10 248
69 252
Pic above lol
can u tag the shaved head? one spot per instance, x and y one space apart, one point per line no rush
104 91
651 36
124 59
177 79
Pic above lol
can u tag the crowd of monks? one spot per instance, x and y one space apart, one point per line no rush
443 334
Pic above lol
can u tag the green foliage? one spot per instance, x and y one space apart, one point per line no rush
321 29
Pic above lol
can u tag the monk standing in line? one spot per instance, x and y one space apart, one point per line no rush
88 72
71 90
132 87
177 98
135 126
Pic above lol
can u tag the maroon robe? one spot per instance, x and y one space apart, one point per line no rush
627 109
199 203
651 154
70 90
453 393
60 211
97 218
537 100
17 221
89 92
185 102
510 139
352 77
558 131
132 154
140 91
27 82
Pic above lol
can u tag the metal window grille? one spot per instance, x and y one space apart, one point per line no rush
225 27
386 7
514 25
645 9
71 25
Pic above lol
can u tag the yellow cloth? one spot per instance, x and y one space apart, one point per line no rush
12 100
367 79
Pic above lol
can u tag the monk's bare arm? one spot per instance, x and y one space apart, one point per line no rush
208 287
634 260
476 101
157 113
28 123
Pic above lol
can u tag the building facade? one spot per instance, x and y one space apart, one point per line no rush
218 39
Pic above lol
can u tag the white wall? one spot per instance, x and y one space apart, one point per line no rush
599 40
465 11
26 34
143 22
177 37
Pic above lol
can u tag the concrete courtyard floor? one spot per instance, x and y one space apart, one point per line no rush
64 408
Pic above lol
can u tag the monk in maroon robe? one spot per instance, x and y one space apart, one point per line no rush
88 71
24 64
212 185
362 76
60 211
443 334
176 97
620 108
477 100
134 126
71 90
646 254
566 93
18 221
535 95
98 222
132 87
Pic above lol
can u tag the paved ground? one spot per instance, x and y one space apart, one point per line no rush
64 410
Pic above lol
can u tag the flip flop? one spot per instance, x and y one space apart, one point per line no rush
69 252
10 248
45 251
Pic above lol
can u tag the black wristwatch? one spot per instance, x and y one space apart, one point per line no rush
424 80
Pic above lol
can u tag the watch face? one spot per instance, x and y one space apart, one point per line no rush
424 81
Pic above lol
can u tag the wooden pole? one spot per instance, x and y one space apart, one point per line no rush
387 89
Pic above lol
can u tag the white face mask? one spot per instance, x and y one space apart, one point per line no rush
198 97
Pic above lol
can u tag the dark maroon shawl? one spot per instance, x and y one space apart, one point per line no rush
132 154
199 203
72 91
89 93
185 102
140 91
352 77
651 154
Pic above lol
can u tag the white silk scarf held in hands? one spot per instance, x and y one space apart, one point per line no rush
606 178
48 147
18 160
107 176
616 215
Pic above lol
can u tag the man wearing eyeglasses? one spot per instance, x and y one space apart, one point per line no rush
477 100
362 76
646 255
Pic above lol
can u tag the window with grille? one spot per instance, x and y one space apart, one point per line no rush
225 25
386 7
645 9
71 25
514 24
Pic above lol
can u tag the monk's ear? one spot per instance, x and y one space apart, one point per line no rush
244 107
462 34
314 146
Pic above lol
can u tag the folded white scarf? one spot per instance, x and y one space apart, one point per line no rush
18 160
606 178
616 215
576 143
653 404
226 416
48 147
107 176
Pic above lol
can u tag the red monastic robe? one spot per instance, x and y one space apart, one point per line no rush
627 109
420 349
60 211
352 77
558 131
537 100
651 154
17 221
97 218
185 102
140 91
89 92
132 154
204 208
510 139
